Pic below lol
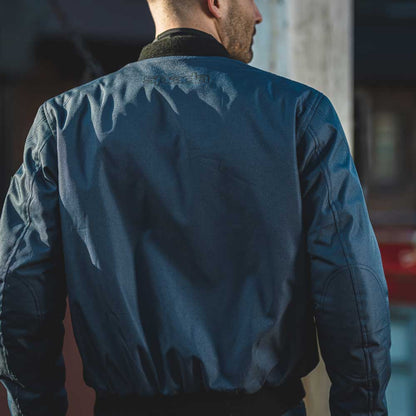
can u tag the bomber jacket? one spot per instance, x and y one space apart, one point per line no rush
203 218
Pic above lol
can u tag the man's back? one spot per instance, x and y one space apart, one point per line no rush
207 211
181 202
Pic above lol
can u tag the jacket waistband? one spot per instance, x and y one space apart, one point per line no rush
269 400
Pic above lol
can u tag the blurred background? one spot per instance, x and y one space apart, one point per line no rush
361 53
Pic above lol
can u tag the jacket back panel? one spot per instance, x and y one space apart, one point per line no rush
181 221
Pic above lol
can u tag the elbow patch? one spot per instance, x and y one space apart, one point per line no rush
354 315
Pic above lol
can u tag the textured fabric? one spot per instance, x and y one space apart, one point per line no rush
183 41
204 218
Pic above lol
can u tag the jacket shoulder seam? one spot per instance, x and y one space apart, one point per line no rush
308 118
46 140
51 131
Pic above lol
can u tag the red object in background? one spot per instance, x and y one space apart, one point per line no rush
81 397
399 263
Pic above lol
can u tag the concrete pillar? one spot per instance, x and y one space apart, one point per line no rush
311 41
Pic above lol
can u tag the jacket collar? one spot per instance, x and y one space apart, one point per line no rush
183 41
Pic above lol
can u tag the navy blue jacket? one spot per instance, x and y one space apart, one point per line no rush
203 218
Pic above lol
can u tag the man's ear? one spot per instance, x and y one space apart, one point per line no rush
216 8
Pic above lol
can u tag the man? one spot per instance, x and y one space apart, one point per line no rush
203 217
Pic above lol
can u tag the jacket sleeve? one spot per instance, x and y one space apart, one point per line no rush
348 286
32 282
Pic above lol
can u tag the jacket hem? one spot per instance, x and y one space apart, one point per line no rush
273 400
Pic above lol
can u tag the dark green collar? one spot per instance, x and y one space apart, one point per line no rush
183 41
